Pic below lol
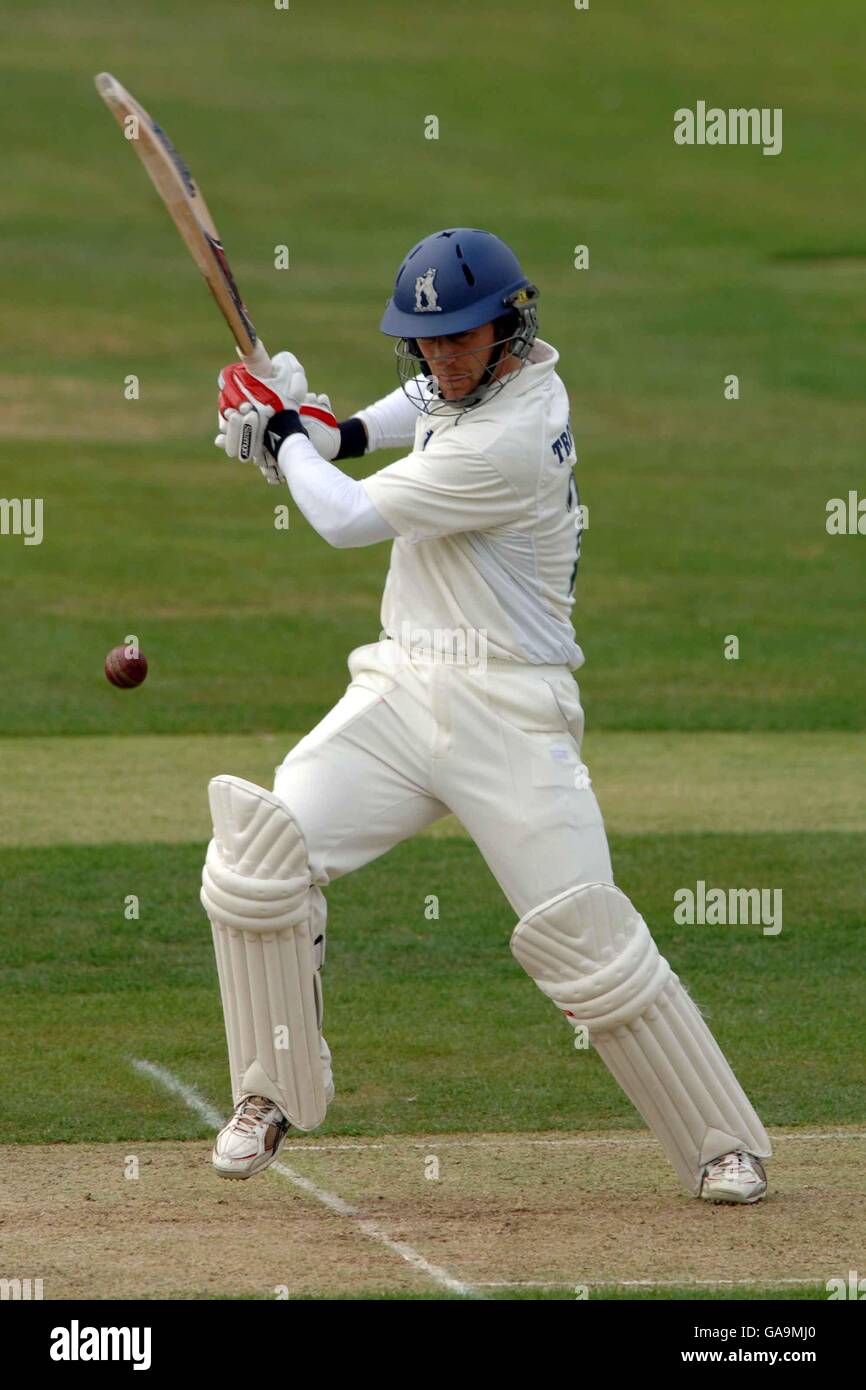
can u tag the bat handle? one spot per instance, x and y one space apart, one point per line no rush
257 361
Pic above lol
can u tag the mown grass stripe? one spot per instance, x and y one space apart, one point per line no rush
153 788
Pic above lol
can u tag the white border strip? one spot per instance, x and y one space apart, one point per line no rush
195 1101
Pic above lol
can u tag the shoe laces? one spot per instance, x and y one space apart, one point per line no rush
733 1163
253 1112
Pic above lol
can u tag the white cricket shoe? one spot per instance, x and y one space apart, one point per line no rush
251 1139
735 1177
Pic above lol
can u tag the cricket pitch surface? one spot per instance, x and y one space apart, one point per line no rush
485 1215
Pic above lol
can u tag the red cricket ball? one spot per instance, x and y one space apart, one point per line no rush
123 670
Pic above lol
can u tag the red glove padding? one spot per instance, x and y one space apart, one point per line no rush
313 410
237 385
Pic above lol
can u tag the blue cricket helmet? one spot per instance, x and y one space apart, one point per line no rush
452 281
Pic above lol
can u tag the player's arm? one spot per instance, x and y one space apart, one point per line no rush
388 423
448 488
334 504
440 491
292 434
429 493
269 421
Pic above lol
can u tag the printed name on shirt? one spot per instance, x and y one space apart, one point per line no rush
563 446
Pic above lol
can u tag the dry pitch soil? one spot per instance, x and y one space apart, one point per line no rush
565 1210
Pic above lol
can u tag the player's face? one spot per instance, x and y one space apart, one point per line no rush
457 360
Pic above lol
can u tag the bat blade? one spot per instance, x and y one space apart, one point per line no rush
173 181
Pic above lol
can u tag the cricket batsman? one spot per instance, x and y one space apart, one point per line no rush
467 705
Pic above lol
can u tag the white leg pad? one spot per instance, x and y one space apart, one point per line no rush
589 950
267 917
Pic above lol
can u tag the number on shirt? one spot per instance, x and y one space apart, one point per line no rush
572 506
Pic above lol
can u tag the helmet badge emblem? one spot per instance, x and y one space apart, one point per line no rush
426 298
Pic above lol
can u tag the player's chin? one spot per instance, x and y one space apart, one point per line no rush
454 387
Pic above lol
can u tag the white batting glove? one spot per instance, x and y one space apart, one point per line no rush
241 433
320 422
284 390
289 380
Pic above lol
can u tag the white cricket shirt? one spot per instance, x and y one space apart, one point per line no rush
487 523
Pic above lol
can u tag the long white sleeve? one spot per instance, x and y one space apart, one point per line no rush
390 422
334 504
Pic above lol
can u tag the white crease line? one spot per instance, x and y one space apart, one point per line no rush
838 1134
579 1141
369 1228
188 1094
196 1102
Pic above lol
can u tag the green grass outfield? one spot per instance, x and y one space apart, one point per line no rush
706 519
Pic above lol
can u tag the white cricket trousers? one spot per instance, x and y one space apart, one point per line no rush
412 739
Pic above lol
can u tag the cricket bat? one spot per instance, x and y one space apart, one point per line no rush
177 188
